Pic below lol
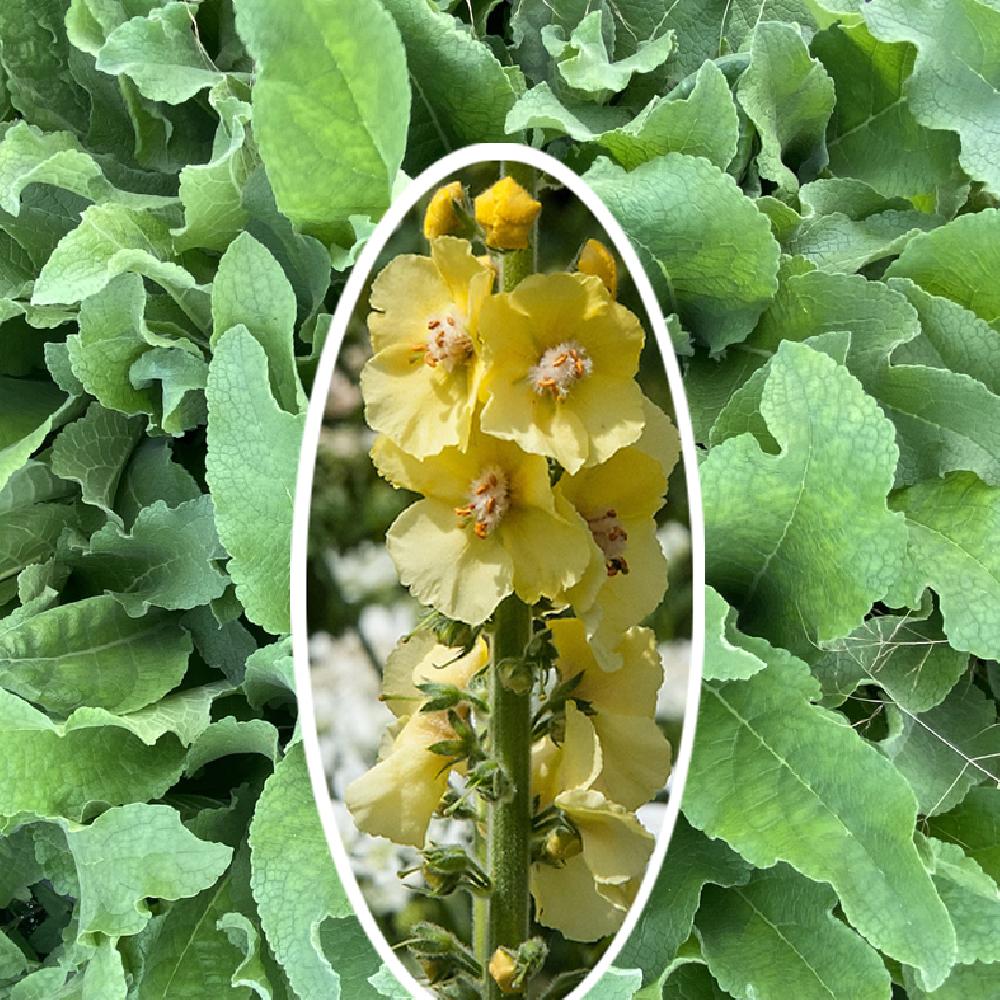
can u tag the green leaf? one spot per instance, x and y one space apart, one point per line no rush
776 937
53 772
293 878
131 853
253 448
724 659
906 655
93 450
40 83
783 780
270 675
110 240
708 28
257 970
91 653
873 135
966 981
951 337
167 559
971 897
185 713
251 290
702 124
230 736
182 376
954 82
28 412
113 335
802 542
715 249
161 53
691 981
692 862
975 826
957 262
212 192
583 62
152 475
616 984
943 752
789 97
318 93
459 87
951 523
30 156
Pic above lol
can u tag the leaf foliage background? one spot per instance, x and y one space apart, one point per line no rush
811 186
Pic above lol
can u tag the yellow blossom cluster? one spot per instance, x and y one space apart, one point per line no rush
540 466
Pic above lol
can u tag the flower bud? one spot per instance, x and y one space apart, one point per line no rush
561 844
441 217
507 212
513 970
596 259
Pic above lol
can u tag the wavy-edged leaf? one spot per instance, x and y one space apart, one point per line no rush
782 780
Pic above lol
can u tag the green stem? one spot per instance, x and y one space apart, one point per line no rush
509 830
518 264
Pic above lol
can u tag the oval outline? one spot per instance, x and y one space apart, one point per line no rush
404 202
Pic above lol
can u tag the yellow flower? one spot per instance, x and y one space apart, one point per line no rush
440 219
398 796
419 658
422 382
562 358
507 212
489 524
595 258
627 575
633 754
588 896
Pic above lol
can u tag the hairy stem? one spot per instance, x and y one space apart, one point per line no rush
509 830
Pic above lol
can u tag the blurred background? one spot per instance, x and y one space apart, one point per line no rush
358 610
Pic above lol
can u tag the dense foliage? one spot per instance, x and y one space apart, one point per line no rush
812 185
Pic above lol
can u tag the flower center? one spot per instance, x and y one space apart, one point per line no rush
448 340
489 500
559 368
611 538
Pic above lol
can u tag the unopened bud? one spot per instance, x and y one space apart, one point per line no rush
442 217
506 212
595 258
561 845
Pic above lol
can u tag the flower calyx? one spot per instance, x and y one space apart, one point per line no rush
447 868
441 955
465 746
513 970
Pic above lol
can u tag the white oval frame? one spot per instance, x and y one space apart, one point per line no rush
432 176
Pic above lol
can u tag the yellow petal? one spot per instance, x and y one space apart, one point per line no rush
549 551
630 690
445 476
404 295
630 482
545 757
610 410
567 900
441 217
468 278
422 409
635 758
507 212
596 259
659 438
447 566
418 658
398 796
580 756
616 846
626 599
